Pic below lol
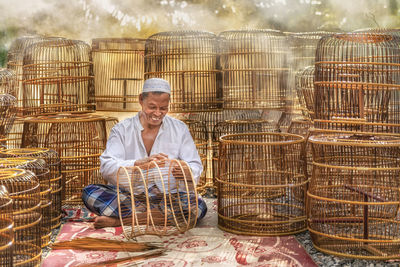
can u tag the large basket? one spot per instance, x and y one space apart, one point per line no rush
118 67
24 189
6 228
353 197
169 206
53 162
189 61
259 175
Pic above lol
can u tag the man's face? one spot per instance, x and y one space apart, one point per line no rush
154 107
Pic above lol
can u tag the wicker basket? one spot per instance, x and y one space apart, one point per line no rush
189 61
24 189
353 196
168 207
6 228
259 175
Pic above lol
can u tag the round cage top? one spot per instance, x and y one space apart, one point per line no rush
356 139
29 152
7 100
303 36
118 44
262 139
8 82
15 174
379 30
65 118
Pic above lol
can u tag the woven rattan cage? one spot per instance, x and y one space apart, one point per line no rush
189 61
6 228
42 172
8 82
8 111
57 76
353 195
255 69
118 67
79 140
259 176
24 189
53 163
305 91
169 206
357 82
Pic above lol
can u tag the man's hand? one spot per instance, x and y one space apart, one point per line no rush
156 157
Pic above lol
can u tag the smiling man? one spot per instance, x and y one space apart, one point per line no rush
150 135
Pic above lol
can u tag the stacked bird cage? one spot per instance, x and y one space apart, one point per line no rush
118 67
57 76
24 189
8 111
304 81
8 82
53 163
255 69
6 228
110 122
353 196
357 78
41 171
236 127
189 61
158 198
79 140
260 174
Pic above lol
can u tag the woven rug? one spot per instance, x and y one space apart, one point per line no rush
204 245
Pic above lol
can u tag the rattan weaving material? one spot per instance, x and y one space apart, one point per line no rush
8 82
305 90
188 60
170 208
353 196
24 189
118 67
8 111
79 140
259 176
53 162
6 228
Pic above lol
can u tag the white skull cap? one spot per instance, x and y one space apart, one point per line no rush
156 85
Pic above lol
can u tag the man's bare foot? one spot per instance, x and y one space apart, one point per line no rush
105 221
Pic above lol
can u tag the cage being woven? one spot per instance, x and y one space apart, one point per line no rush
8 111
8 82
255 69
357 79
78 139
6 228
57 76
53 163
189 61
118 67
353 196
41 171
24 189
259 176
304 81
168 206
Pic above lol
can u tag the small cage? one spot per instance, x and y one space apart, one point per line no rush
255 69
305 91
53 162
353 196
118 67
8 82
57 77
356 83
189 61
168 206
6 228
260 175
41 171
79 140
24 190
8 111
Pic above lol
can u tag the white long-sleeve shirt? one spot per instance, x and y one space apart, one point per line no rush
125 146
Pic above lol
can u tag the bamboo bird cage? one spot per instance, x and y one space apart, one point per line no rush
8 82
259 176
255 69
356 83
110 123
6 228
53 163
118 67
189 61
24 189
305 91
353 196
41 171
78 139
8 111
169 206
57 77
